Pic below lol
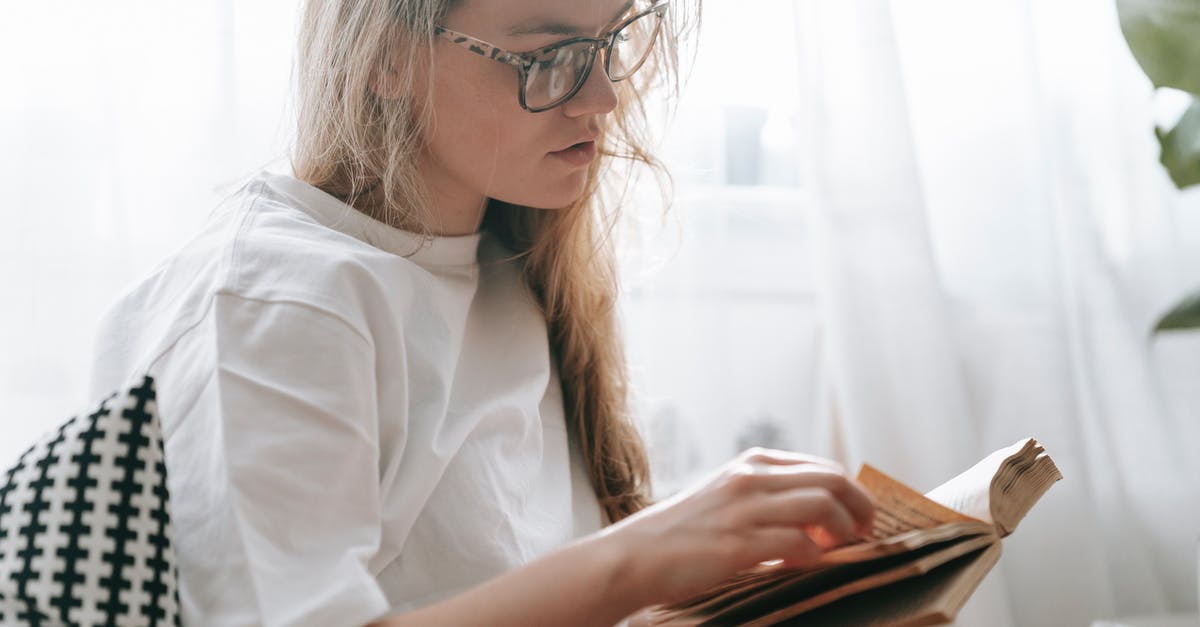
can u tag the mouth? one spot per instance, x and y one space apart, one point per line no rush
578 154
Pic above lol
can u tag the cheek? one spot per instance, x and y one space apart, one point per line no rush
480 125
485 142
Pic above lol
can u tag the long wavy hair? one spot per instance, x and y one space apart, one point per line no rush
351 142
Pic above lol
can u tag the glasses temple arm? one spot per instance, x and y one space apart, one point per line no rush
480 47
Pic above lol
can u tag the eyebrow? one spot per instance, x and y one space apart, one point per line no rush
559 28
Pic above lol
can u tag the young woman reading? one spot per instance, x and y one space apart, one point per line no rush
391 383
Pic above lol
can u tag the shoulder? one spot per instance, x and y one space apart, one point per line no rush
284 250
263 246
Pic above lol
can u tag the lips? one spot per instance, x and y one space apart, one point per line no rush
578 154
590 138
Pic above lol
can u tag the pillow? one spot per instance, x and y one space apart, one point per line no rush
85 534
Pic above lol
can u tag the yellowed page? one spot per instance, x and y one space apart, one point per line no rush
904 542
905 521
748 586
899 508
970 491
931 599
914 568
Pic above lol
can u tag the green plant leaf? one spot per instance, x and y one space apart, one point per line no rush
1164 36
1185 315
1181 147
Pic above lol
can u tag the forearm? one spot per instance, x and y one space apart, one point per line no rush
755 508
585 583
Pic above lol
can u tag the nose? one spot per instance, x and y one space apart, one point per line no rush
597 96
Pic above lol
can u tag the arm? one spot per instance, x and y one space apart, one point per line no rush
762 505
582 584
273 457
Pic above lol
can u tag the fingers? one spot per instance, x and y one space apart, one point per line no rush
787 543
806 506
791 496
848 493
759 455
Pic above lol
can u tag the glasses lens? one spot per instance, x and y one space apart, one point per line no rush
632 44
556 74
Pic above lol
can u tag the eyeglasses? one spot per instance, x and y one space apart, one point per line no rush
553 74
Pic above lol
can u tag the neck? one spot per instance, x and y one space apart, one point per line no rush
458 212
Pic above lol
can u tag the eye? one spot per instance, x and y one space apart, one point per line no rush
546 60
555 58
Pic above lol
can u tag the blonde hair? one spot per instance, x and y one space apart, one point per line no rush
351 142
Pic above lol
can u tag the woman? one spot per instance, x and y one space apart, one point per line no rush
391 385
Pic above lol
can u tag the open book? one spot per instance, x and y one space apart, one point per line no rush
925 557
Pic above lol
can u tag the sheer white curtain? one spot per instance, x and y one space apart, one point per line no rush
993 240
121 126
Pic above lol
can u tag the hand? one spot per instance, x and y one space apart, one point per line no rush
762 505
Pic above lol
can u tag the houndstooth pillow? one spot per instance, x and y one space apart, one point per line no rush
85 535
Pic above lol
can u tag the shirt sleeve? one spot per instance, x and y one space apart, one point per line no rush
275 468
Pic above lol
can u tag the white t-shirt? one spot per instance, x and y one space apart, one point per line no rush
356 424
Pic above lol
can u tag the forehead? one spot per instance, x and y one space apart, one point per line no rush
559 17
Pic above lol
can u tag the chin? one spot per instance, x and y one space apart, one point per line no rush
551 205
559 196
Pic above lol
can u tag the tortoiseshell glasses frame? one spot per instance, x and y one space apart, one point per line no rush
525 62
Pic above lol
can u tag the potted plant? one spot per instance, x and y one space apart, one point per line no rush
1164 36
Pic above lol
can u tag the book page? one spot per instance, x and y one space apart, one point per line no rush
773 576
970 491
1002 487
804 590
904 542
1020 482
912 534
798 604
931 599
899 508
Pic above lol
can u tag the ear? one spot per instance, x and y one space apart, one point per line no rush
402 69
387 79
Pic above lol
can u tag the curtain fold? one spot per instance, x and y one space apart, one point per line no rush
122 124
991 241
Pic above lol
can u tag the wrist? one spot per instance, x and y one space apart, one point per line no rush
624 568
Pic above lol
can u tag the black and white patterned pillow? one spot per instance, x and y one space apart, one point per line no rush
85 533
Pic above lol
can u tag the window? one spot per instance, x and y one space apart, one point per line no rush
722 327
